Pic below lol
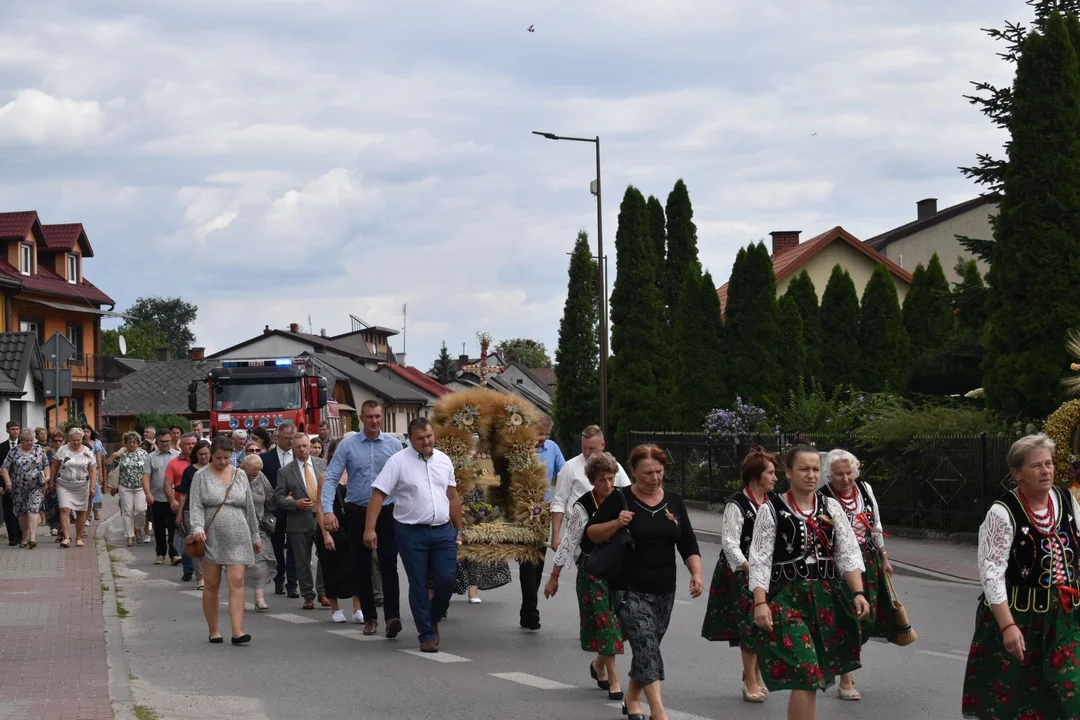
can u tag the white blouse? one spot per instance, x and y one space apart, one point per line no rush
846 553
731 535
573 529
996 536
860 528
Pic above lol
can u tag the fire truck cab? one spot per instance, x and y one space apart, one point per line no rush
265 393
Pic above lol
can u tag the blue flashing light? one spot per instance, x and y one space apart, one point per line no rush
283 361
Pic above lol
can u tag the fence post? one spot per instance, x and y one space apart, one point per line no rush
984 467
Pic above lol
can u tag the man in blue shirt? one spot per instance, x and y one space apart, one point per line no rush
363 456
529 575
549 453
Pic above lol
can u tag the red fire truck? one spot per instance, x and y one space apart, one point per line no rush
265 393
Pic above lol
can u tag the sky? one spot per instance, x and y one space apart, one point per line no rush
275 160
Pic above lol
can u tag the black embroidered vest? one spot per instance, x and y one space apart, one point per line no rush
868 511
749 516
588 502
1029 576
798 552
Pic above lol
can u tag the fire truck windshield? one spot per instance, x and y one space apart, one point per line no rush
257 396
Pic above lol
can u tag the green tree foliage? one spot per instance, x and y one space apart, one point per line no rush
698 331
839 331
682 250
969 299
577 357
1031 302
793 365
713 389
884 348
753 343
637 322
657 230
157 420
142 339
443 367
155 322
802 291
530 353
928 315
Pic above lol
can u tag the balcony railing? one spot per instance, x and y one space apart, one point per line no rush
91 368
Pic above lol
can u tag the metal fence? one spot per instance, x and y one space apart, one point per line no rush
934 482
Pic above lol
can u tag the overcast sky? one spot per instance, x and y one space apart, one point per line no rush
274 159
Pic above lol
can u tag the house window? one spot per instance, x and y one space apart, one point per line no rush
34 326
75 409
26 259
73 268
75 335
391 420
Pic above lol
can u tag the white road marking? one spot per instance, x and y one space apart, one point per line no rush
950 656
672 714
441 657
355 635
533 681
250 607
683 602
296 619
192 593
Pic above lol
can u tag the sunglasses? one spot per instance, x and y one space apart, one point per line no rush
252 450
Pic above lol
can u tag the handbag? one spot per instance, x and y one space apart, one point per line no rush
905 634
197 548
113 478
608 560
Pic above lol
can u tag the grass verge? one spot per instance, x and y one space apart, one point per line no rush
144 713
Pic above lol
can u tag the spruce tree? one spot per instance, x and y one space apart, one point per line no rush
969 299
657 224
692 360
794 343
443 368
839 331
753 344
682 251
637 321
577 389
884 348
1031 301
928 315
801 289
713 389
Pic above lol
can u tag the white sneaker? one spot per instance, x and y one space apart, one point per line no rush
338 617
147 540
358 617
475 601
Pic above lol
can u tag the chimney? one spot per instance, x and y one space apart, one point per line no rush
163 353
322 332
399 357
294 327
197 353
463 360
266 330
926 207
784 240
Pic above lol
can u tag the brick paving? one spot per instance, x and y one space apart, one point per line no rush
52 632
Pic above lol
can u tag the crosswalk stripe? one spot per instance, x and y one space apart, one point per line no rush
297 619
532 681
672 714
192 593
355 635
950 656
441 657
683 602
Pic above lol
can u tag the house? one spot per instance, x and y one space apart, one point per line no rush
353 383
22 396
162 386
416 379
514 378
369 346
819 255
43 291
935 231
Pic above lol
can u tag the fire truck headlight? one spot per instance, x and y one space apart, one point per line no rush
234 423
249 423
278 420
264 421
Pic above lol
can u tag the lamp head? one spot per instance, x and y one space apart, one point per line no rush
549 136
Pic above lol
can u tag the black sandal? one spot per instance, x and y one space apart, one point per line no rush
602 684
217 640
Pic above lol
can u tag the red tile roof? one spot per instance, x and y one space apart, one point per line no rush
17 225
793 260
64 237
46 282
545 374
418 378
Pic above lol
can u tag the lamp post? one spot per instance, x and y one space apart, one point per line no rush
601 279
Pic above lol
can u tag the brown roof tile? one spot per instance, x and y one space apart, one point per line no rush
418 378
17 225
65 236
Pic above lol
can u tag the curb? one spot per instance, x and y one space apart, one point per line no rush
901 568
115 655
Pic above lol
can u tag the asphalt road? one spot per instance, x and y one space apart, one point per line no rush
299 665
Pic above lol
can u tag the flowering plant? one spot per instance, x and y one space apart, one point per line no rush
740 421
481 512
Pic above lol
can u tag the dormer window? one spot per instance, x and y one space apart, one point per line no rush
73 268
26 259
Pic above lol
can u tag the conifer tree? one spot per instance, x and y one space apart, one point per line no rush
657 225
682 251
443 369
752 337
839 331
927 313
713 388
884 348
794 342
1031 302
577 357
691 363
801 289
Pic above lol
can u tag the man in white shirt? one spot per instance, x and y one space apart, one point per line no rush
572 483
427 520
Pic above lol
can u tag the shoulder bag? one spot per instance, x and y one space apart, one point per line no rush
608 560
197 548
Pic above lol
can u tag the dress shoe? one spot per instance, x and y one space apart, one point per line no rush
217 640
186 577
429 646
530 624
393 627
309 604
293 593
279 588
245 638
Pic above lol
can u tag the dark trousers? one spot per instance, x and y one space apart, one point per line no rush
164 529
355 520
11 520
286 563
530 577
424 550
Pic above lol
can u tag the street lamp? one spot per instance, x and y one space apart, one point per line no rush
601 281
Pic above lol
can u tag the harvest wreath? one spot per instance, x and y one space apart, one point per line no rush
505 426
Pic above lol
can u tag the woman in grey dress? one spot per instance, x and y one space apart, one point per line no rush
262 496
232 536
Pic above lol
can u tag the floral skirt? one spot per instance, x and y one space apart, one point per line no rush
881 622
997 686
727 616
815 636
485 576
600 629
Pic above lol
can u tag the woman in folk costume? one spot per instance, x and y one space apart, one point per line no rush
728 614
1025 655
807 627
861 508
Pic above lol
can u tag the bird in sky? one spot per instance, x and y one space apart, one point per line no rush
813 134
532 28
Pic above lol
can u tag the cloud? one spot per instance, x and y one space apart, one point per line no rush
37 118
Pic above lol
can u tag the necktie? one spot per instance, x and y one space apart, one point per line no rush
309 478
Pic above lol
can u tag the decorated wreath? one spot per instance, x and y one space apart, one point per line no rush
514 522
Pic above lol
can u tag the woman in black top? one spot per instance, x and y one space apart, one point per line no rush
658 521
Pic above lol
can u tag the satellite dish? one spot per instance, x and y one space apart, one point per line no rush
123 345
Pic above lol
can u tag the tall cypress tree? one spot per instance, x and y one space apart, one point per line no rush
713 388
682 251
577 389
752 337
692 360
969 299
657 231
795 346
1031 301
839 331
637 322
884 349
927 313
802 291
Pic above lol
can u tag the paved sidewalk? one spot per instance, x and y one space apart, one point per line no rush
945 559
52 632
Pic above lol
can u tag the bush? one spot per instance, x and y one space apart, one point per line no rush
862 408
156 420
895 428
807 411
743 420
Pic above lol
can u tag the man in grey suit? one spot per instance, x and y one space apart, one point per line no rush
297 484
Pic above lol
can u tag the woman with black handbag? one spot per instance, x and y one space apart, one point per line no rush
658 524
600 631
